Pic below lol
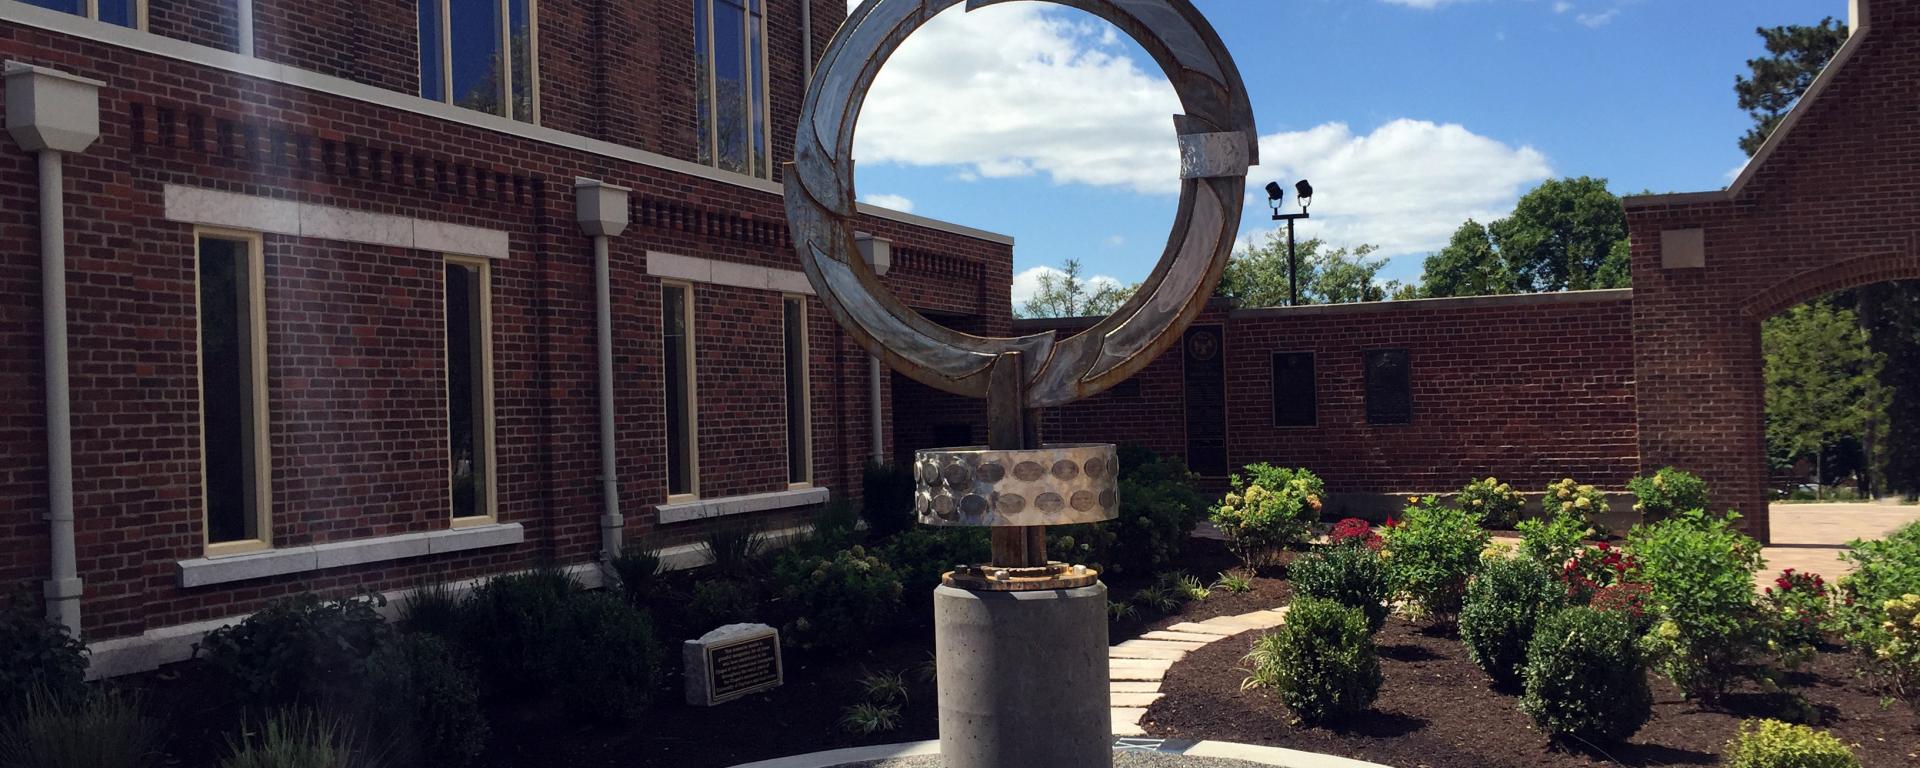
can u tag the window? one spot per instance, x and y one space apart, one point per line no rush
469 310
799 402
126 13
481 54
676 322
730 89
233 392
1389 387
1294 400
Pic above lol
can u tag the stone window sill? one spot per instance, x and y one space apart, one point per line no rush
204 571
703 509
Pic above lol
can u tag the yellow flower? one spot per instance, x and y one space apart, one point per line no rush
1565 492
1582 502
1413 499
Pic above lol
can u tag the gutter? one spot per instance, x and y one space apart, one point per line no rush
602 212
51 113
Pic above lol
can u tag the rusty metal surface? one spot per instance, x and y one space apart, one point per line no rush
1217 142
1058 484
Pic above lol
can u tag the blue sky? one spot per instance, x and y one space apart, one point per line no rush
1408 116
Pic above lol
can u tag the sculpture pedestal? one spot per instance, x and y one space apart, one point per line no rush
1023 678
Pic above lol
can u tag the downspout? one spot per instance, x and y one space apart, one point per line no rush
878 251
243 26
601 210
49 113
806 44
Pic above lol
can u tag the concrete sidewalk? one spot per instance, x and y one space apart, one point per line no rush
1810 537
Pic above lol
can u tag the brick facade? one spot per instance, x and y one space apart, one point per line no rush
1832 203
356 341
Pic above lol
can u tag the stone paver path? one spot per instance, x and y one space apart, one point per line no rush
1137 666
1810 537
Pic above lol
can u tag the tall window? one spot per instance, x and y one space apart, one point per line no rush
730 90
470 389
676 322
126 13
233 392
799 416
481 54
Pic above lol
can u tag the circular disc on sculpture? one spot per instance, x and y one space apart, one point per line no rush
1049 485
1216 139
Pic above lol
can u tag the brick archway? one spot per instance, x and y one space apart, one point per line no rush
1828 203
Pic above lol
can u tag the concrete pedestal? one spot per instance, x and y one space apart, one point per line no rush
1023 678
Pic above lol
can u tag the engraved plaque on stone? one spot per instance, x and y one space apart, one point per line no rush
1389 387
730 662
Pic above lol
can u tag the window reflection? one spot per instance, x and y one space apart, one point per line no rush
482 55
730 53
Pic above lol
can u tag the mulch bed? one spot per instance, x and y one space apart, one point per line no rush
1436 710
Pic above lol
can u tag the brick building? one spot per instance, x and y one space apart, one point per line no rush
331 297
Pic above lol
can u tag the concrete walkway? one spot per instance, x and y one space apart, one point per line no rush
1135 667
1810 537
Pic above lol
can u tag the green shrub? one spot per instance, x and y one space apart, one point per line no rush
1352 576
718 602
1585 679
1497 503
1582 501
921 554
1161 509
638 568
1431 553
1774 744
1883 569
838 602
64 730
1797 608
1897 656
1504 603
514 626
836 526
1667 493
39 655
887 498
734 550
1699 570
425 703
298 650
1321 661
1277 507
431 608
613 660
298 739
1552 540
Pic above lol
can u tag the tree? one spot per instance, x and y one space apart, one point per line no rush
1340 276
1822 382
1468 266
1257 275
1565 235
1063 293
1797 54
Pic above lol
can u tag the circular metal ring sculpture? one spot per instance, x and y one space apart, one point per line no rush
1217 142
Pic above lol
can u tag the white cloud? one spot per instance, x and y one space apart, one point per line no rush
1010 90
1404 187
896 202
1562 6
1597 20
1114 241
1026 283
1425 5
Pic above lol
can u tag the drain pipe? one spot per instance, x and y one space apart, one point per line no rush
806 45
601 210
878 251
51 112
243 25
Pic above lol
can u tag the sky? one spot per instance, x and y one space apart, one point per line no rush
1409 116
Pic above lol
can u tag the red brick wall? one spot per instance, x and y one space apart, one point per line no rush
212 23
355 337
1530 389
1835 206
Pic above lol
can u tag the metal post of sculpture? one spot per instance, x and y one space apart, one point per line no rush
1021 641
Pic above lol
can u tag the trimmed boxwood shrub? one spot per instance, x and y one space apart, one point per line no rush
1774 744
1432 553
718 602
920 555
425 703
1353 576
612 659
39 655
1504 603
1585 678
1321 662
836 602
299 650
514 626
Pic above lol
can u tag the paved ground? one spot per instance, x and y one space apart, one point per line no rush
1810 537
1120 760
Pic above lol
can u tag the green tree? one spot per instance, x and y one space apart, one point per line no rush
1343 276
1822 381
1796 54
1257 275
1565 236
1468 266
1065 293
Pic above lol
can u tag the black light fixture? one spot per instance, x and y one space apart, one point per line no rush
1304 193
1302 190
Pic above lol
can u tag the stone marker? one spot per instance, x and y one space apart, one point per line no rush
731 662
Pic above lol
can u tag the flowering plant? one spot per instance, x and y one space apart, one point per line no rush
1276 508
1355 531
1497 503
1571 498
1595 568
1666 493
1628 598
1800 607
1899 656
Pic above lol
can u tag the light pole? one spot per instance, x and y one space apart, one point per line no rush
1304 193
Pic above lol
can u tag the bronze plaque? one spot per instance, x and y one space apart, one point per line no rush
744 667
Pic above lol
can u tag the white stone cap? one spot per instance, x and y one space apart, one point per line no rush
732 630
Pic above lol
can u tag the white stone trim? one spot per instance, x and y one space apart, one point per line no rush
204 571
212 207
695 269
76 26
702 509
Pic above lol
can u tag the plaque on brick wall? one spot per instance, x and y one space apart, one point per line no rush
731 662
1389 386
1295 402
1206 391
